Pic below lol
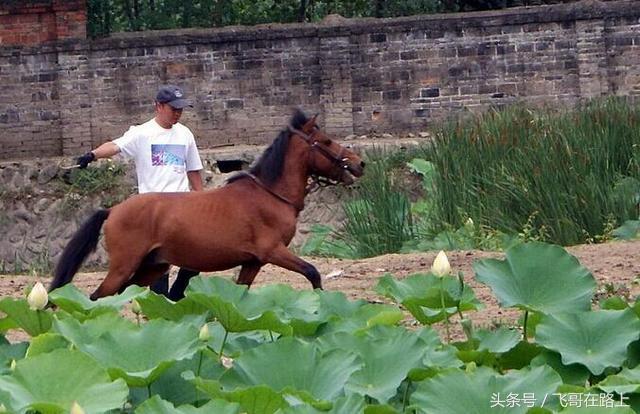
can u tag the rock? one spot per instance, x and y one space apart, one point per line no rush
23 214
48 173
41 205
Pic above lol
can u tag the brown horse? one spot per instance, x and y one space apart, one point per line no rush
248 222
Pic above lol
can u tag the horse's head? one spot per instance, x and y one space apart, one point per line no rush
327 158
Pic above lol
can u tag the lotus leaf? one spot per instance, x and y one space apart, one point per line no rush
625 382
172 387
71 299
352 403
46 342
258 399
156 405
574 374
596 339
315 378
156 306
233 307
421 295
89 330
366 317
388 356
217 286
519 356
484 391
629 230
335 305
236 343
437 355
499 341
139 354
33 322
538 277
598 410
10 352
45 384
298 308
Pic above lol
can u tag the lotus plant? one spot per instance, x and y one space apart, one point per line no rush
442 268
38 297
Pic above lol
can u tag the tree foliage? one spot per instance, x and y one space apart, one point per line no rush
108 16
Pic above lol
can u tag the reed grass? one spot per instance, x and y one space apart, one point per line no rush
378 219
575 174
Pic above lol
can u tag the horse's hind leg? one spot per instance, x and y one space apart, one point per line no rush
281 256
148 273
248 272
117 277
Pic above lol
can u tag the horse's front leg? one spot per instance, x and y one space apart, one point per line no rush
281 256
248 272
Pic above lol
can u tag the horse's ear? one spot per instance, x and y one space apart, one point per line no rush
310 123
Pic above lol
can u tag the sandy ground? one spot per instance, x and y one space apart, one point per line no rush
616 267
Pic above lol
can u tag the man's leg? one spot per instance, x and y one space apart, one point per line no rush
161 286
182 280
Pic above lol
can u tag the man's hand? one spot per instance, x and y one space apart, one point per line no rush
86 159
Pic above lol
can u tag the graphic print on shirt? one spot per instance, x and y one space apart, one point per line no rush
168 154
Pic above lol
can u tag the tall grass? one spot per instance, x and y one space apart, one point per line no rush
573 175
378 218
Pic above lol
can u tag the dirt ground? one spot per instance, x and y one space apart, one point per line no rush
616 267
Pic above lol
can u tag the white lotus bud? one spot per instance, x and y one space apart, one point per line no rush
469 222
38 297
135 307
440 266
76 408
204 333
12 367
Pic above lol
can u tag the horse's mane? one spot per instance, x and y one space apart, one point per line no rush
270 164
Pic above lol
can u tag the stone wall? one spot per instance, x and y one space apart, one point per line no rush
388 75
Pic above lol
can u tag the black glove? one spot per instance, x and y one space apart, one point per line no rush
86 159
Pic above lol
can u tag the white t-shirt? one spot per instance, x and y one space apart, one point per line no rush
162 156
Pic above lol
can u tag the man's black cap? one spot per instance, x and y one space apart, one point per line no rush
172 95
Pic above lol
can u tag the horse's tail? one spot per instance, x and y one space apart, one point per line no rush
81 244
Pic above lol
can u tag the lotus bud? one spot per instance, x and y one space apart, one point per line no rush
13 365
38 297
471 367
440 266
469 222
204 333
135 307
76 408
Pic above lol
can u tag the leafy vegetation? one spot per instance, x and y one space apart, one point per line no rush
108 16
226 349
575 175
500 178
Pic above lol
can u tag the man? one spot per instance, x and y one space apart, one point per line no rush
166 159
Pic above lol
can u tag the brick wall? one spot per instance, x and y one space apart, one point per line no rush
361 75
33 22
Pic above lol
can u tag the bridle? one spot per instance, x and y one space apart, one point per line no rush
337 160
316 180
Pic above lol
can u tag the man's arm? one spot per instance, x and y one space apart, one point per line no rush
195 179
106 150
